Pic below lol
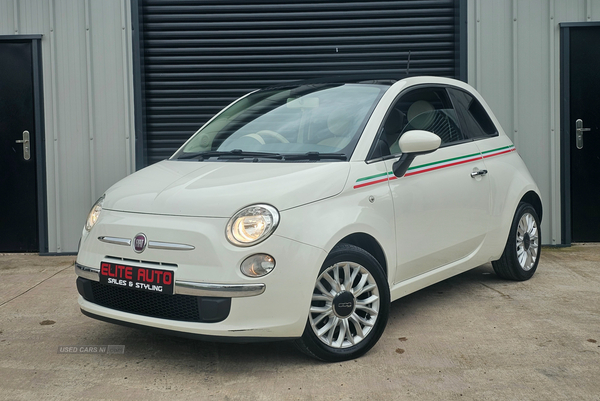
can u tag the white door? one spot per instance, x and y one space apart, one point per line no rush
441 207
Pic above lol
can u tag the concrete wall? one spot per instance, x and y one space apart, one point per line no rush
88 102
514 55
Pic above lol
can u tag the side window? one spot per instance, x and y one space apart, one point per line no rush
427 109
473 117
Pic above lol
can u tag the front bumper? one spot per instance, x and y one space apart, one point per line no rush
175 307
191 288
273 306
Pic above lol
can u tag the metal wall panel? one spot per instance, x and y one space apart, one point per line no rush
514 55
87 83
7 21
198 56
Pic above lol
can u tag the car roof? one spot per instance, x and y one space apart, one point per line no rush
372 79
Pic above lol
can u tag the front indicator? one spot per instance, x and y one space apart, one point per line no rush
258 265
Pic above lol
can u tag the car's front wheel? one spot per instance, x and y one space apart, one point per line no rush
349 307
522 252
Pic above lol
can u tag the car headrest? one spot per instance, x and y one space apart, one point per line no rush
420 114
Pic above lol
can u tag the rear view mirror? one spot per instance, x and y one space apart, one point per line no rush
412 144
303 103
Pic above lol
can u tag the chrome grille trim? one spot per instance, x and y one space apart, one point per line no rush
169 246
116 240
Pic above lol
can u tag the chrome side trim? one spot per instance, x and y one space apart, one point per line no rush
170 246
116 240
219 290
190 287
91 273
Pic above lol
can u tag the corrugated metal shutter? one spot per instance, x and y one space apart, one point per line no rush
198 56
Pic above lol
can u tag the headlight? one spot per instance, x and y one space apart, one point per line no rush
94 214
252 224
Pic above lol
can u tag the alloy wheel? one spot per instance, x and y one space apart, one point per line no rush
345 305
527 241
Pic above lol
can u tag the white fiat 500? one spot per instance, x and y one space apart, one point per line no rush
302 210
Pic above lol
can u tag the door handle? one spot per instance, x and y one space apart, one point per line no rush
478 173
26 147
579 130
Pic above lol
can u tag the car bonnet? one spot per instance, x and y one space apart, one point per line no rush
219 189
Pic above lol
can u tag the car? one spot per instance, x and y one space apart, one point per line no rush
301 211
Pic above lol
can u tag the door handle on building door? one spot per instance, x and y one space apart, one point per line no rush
26 147
579 130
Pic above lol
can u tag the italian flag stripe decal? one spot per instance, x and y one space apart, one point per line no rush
499 151
424 168
442 164
374 179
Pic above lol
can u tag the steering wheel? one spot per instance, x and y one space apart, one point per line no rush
272 134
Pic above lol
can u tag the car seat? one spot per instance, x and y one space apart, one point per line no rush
339 124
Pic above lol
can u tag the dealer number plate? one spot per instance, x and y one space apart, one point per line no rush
136 278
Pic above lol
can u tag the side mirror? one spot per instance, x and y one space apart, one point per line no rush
412 144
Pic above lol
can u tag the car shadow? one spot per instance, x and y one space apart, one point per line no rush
446 290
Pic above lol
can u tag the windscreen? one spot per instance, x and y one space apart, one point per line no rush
324 118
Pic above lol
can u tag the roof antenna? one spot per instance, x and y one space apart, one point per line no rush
408 63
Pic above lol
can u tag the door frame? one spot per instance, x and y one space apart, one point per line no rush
565 125
40 134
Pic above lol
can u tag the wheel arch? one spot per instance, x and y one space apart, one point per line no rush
534 200
370 245
497 238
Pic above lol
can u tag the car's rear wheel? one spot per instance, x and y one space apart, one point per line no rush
349 307
522 252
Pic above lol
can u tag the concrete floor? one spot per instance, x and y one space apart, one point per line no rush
472 337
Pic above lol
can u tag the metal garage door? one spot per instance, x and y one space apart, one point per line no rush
195 57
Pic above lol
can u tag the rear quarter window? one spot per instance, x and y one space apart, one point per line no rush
475 121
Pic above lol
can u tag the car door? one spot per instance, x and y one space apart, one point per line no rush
494 148
441 204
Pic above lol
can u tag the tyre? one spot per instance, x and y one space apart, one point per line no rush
349 307
521 255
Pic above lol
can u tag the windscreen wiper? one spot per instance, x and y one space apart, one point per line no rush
316 156
230 154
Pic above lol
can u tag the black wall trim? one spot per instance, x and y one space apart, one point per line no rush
138 98
462 39
40 137
21 37
579 24
565 134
